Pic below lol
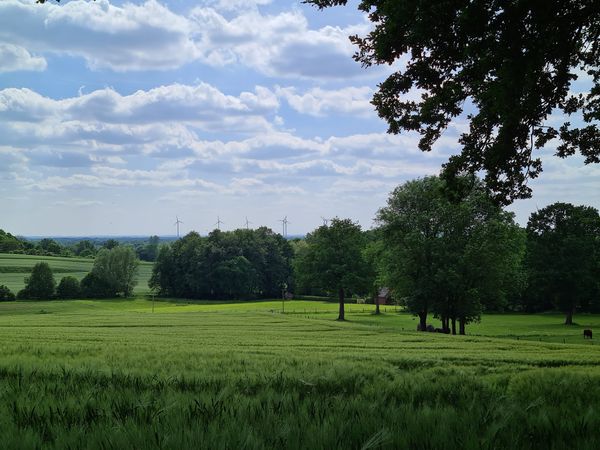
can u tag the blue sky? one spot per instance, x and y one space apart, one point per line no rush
116 117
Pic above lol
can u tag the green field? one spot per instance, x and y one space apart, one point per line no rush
112 374
14 269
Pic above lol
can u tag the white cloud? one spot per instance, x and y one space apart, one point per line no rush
14 58
25 105
127 37
105 176
78 203
384 146
150 36
235 5
164 119
320 102
172 103
277 45
361 186
11 159
95 131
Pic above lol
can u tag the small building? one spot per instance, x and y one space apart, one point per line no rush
383 296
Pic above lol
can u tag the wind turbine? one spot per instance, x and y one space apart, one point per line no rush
177 222
247 223
285 222
219 222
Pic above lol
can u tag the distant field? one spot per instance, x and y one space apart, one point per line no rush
112 374
14 269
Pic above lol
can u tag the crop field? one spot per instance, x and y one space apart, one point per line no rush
114 374
14 269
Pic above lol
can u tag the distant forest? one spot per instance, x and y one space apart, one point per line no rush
146 248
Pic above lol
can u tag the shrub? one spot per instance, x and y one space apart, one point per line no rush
117 268
92 286
41 284
5 294
68 288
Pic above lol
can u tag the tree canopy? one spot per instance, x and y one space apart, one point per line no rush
5 294
234 264
85 248
40 284
449 258
333 260
92 286
563 257
49 246
513 64
68 288
115 268
10 243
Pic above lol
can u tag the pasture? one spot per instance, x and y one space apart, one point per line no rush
14 269
113 374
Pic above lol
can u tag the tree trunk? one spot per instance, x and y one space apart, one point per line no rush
423 321
377 305
462 324
341 296
569 318
454 325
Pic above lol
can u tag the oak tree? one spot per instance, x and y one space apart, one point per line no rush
333 260
511 62
40 284
450 258
563 257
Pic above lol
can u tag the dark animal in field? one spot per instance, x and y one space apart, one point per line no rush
430 328
587 334
439 330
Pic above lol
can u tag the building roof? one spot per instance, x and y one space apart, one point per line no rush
384 292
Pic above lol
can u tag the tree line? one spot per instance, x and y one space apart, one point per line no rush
113 274
454 253
445 252
145 249
225 265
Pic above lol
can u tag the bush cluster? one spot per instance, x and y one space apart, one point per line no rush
114 273
5 294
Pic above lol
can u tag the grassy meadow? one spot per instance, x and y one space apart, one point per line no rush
14 269
113 374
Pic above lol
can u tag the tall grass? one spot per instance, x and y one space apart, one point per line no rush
114 375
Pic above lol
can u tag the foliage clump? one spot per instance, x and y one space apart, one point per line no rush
563 259
511 63
68 288
5 294
452 257
333 260
40 285
114 273
224 265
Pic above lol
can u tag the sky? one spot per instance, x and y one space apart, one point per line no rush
117 117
